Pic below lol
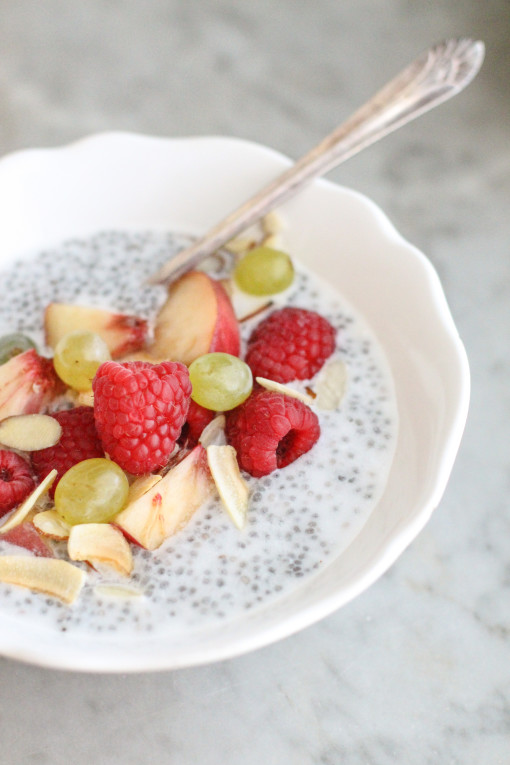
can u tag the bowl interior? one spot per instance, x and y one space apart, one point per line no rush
125 181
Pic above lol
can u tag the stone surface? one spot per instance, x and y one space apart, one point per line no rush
417 669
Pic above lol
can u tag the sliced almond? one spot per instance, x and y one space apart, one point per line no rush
100 544
50 576
214 432
232 487
274 241
50 524
245 305
30 432
272 223
240 245
142 485
117 591
331 385
23 510
277 387
85 398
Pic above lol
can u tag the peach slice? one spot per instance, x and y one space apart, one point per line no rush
26 535
50 576
30 432
169 504
21 513
232 488
100 544
121 332
196 318
28 383
50 524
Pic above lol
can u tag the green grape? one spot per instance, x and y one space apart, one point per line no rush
77 358
220 381
92 491
264 271
13 345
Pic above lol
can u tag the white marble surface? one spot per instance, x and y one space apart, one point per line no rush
416 670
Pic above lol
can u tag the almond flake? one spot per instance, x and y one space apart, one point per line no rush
101 544
277 387
50 576
272 223
240 245
232 487
331 385
50 524
30 432
117 591
19 515
214 432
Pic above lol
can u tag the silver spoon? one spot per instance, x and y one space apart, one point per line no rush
437 75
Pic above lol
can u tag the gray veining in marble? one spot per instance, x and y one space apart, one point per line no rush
417 670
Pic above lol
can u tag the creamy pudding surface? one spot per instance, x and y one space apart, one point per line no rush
300 518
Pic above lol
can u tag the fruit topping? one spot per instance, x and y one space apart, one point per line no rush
264 271
139 409
29 502
79 441
231 486
220 381
47 575
16 480
92 491
169 505
100 544
198 418
290 344
121 332
270 431
13 345
196 318
28 384
77 357
26 535
29 432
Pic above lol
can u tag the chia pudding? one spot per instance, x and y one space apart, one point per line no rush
300 517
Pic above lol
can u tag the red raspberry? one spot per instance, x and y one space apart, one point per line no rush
16 480
270 430
79 441
139 410
198 417
291 344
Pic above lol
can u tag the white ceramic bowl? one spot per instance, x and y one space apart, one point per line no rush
123 181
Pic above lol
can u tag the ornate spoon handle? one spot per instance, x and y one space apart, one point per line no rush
437 75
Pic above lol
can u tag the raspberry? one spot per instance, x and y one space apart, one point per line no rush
291 344
16 480
79 441
198 417
270 430
139 409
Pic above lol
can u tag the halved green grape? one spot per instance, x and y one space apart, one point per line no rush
92 491
220 381
264 271
77 358
13 345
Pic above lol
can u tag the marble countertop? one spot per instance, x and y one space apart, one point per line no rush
417 669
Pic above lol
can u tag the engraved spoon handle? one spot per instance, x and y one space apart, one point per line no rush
437 75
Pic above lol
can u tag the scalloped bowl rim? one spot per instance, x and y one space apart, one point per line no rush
244 166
